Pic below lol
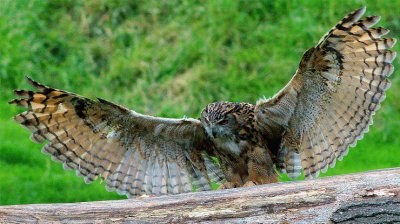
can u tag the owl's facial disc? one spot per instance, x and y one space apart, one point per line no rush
218 130
218 126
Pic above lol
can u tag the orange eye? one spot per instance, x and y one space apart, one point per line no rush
223 122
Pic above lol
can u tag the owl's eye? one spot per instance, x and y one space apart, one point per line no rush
223 122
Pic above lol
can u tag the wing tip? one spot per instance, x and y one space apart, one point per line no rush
101 100
356 14
394 42
30 80
13 101
360 10
35 83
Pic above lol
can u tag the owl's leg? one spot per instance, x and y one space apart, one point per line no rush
233 180
249 183
260 168
143 196
227 185
233 171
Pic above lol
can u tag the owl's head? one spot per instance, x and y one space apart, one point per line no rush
223 120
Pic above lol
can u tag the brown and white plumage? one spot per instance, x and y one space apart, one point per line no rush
329 103
134 153
325 108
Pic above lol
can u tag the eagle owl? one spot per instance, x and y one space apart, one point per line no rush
325 108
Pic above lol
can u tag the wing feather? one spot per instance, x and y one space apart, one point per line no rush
329 103
136 154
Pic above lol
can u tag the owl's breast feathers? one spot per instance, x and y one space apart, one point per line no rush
245 134
243 151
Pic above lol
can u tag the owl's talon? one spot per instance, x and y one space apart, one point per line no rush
145 196
226 185
249 184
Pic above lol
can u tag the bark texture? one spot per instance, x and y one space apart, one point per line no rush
370 197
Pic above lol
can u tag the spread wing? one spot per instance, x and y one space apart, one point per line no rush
329 103
136 154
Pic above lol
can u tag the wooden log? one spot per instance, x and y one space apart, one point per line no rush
370 197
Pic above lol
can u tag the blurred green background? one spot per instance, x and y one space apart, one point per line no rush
165 58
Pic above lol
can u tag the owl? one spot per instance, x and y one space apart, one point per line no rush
305 128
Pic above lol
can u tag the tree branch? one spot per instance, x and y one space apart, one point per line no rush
359 197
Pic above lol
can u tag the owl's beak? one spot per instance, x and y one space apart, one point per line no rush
211 131
214 133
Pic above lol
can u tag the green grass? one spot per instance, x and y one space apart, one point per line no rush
165 58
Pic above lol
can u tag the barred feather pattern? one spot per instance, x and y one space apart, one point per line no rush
326 108
329 103
135 154
214 170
